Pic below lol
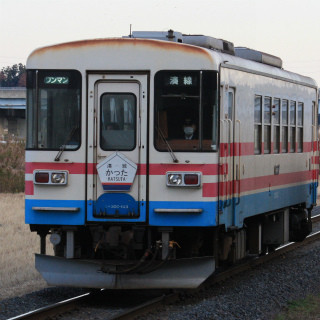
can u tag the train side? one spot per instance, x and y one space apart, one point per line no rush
149 163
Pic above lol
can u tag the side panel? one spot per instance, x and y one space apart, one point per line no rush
268 179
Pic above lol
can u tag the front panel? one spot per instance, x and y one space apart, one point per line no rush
183 166
55 156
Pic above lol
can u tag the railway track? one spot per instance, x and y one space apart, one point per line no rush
162 299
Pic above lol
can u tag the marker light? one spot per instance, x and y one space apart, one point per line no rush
191 179
41 177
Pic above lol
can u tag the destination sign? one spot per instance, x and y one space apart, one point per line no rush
177 80
56 80
117 173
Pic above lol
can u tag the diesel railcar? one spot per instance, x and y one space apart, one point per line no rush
155 158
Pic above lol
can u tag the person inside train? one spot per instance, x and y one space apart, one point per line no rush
189 129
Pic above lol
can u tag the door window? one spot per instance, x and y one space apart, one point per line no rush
118 121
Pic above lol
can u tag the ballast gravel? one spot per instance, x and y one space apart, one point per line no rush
258 294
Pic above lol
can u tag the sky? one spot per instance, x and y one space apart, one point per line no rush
288 29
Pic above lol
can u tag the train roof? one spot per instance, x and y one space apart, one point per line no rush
171 49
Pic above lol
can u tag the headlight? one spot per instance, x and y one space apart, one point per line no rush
58 177
174 179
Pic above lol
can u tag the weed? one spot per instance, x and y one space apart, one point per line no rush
12 167
18 245
307 309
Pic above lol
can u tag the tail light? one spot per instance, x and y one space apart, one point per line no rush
41 177
191 179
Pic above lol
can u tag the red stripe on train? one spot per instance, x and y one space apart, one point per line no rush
28 188
154 169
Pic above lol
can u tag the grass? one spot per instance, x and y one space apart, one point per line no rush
307 309
12 166
18 245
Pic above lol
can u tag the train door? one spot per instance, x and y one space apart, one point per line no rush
315 152
229 156
117 147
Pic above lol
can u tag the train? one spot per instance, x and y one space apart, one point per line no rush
154 159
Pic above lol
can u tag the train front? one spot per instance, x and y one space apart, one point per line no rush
122 163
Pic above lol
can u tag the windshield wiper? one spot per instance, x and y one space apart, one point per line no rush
63 147
174 158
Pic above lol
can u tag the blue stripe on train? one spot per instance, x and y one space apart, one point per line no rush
34 215
266 201
249 205
208 216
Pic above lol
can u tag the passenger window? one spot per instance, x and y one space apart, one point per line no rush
267 125
284 122
118 121
257 124
276 125
292 116
300 127
230 105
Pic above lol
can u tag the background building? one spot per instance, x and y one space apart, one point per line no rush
12 113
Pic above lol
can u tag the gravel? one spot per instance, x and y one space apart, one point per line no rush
256 294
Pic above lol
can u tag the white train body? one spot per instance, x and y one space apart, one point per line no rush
144 145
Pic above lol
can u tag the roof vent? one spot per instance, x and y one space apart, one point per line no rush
209 43
158 35
196 40
258 56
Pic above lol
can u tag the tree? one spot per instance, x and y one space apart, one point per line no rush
14 76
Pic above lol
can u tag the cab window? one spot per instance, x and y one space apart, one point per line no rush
186 111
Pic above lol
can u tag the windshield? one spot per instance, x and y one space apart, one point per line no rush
186 110
53 109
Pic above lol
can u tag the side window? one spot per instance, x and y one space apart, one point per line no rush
292 117
257 124
284 122
267 124
230 105
276 125
300 127
118 121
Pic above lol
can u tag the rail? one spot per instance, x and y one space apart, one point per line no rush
70 304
